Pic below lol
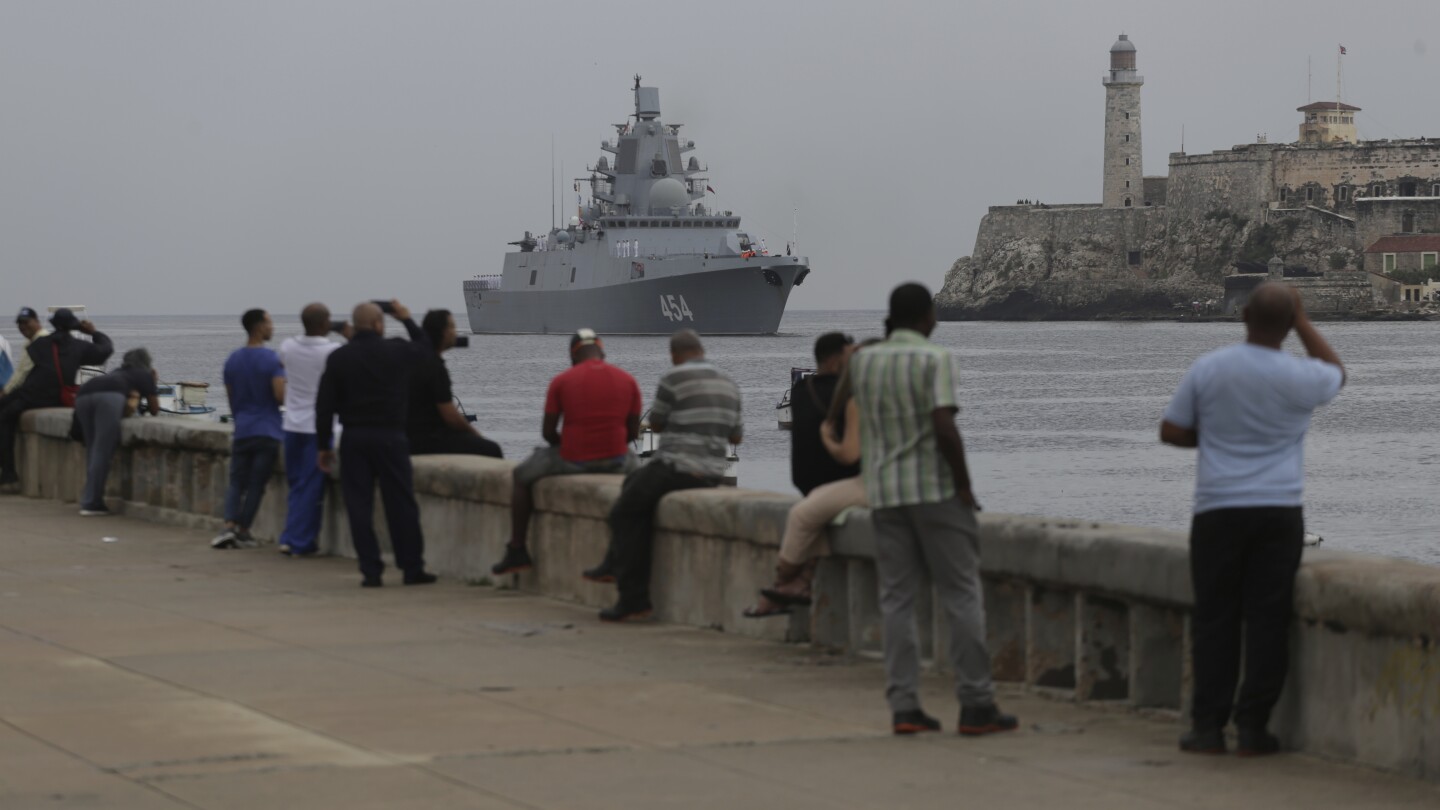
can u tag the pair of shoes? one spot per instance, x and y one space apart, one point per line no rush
516 559
95 511
1255 742
420 578
1203 741
913 721
600 573
988 719
627 611
226 539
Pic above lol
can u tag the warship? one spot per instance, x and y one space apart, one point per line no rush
646 256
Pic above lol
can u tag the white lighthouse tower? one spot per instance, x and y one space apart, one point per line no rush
1124 177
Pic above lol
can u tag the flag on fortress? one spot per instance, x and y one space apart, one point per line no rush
1342 50
709 189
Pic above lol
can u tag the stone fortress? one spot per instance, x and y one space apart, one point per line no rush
1353 223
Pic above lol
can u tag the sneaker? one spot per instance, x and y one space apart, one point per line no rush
600 573
372 582
243 539
95 511
516 559
283 548
623 612
226 539
421 578
914 721
988 719
1255 742
291 551
1203 741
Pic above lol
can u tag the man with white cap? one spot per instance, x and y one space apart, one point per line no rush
592 413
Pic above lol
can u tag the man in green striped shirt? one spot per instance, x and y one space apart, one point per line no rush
924 513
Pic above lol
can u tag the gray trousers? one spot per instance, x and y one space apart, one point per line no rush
99 416
944 539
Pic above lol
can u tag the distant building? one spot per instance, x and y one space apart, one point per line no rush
1124 182
1328 122
1405 254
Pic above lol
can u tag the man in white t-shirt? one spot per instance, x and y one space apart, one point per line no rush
1247 407
304 360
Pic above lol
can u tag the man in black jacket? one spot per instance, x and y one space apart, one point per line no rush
433 423
810 463
367 383
56 358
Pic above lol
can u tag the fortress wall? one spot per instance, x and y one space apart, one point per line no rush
1383 216
1104 235
1094 611
1234 181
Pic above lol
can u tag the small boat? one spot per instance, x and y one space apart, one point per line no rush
648 442
185 399
782 408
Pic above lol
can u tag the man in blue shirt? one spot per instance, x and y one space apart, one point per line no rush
255 386
1247 407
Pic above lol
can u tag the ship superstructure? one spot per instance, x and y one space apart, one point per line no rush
645 256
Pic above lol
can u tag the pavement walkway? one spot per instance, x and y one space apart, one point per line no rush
149 671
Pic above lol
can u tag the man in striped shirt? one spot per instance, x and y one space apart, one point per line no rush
697 414
924 513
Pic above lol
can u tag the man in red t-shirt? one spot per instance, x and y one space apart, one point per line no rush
599 405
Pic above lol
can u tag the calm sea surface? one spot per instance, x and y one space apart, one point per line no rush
1059 418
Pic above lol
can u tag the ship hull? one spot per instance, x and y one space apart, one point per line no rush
736 297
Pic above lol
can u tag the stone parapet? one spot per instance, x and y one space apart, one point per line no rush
1085 611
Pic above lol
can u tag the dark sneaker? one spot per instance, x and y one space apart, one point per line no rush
1203 741
372 582
1255 742
516 559
421 578
913 722
243 539
623 612
988 719
226 539
600 573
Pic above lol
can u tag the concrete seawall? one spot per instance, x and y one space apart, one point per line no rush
1092 612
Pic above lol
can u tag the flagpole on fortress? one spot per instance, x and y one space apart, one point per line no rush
1339 85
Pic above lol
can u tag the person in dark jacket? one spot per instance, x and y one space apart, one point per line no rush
99 407
56 358
433 424
367 384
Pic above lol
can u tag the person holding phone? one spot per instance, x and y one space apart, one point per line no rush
304 360
433 423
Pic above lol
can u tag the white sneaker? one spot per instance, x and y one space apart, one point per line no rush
226 539
102 512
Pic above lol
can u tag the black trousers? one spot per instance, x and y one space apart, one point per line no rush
10 409
453 441
1242 564
632 524
369 455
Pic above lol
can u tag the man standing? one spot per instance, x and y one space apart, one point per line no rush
28 322
592 413
433 424
304 360
255 387
1247 407
55 359
697 413
924 513
367 383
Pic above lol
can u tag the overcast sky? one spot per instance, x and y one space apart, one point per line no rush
205 157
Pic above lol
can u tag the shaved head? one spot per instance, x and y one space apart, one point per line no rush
368 317
686 341
1270 312
316 319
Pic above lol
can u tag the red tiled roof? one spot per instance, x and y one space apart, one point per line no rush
1409 243
1321 106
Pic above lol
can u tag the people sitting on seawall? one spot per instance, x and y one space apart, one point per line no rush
367 383
697 413
255 388
100 405
28 322
7 361
923 512
55 360
304 359
1247 408
434 425
592 414
830 485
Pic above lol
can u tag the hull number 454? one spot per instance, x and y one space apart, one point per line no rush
674 308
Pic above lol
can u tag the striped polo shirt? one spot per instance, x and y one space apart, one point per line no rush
897 386
698 408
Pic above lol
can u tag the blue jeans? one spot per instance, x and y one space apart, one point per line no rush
307 493
252 460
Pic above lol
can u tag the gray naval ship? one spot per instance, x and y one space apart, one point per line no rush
645 257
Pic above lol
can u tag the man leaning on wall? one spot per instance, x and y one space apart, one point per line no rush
1247 407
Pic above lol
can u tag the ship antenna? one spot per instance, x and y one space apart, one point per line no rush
552 181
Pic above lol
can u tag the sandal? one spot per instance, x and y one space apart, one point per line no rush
766 608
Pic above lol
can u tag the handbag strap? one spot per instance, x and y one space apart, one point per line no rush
59 375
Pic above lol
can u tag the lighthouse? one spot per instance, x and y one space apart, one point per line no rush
1124 178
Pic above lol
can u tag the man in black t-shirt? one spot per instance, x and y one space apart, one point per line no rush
433 424
810 464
